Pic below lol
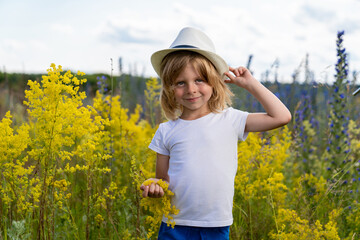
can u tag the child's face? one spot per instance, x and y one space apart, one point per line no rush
192 92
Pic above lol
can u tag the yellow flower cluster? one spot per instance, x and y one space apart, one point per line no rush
62 184
128 139
59 155
109 192
259 184
152 95
301 190
292 227
14 168
99 219
77 170
260 167
72 169
354 132
159 207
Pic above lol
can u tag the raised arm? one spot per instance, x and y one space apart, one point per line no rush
276 114
162 167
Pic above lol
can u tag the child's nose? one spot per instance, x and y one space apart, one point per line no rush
192 88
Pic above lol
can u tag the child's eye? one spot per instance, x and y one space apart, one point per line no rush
199 81
179 84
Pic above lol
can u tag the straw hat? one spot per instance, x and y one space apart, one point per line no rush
194 40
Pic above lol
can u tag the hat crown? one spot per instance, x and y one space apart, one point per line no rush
193 38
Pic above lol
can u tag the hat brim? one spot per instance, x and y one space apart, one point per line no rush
219 63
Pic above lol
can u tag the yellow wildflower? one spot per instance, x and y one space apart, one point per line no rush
159 207
99 219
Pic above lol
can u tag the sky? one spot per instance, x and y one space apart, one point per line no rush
91 36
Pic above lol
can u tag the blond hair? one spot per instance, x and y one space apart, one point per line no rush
171 67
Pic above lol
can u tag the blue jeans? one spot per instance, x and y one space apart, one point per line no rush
193 233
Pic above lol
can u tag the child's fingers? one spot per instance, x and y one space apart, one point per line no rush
234 71
145 191
155 191
152 189
242 70
230 76
237 72
161 193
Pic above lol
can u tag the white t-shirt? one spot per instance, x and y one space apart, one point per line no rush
202 165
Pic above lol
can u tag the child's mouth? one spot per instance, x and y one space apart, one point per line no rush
192 99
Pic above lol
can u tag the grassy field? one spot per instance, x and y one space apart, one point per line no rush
74 154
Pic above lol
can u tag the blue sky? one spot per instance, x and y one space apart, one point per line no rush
85 35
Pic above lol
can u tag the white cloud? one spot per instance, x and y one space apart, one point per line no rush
86 37
11 45
62 28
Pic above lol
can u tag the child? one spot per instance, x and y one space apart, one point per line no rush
197 149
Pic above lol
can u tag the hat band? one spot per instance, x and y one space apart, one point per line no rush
184 46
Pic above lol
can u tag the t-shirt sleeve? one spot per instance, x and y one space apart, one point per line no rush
157 144
239 121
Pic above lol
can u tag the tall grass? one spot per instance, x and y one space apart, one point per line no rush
73 171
